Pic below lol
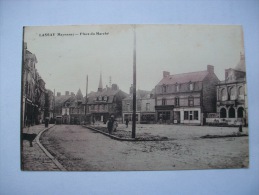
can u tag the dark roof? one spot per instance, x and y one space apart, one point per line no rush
60 100
79 95
184 78
106 92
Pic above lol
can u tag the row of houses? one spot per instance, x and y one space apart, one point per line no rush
37 101
195 98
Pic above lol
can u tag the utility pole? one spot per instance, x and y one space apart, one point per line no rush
86 91
134 86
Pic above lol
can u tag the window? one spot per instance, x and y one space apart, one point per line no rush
196 115
128 106
232 93
231 113
191 115
105 98
103 107
223 94
163 101
164 88
241 92
100 98
147 106
176 101
191 86
186 115
223 113
190 101
177 88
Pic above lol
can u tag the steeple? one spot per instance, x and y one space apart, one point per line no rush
100 87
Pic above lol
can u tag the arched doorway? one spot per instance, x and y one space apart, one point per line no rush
231 113
223 113
240 112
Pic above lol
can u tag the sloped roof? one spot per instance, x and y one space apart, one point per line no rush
60 100
109 93
184 78
140 94
79 95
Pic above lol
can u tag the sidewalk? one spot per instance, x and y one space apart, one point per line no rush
34 159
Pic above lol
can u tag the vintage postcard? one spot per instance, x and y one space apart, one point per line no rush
133 97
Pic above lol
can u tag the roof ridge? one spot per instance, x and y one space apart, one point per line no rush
188 72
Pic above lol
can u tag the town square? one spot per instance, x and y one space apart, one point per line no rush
80 114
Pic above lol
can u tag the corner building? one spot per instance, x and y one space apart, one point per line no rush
186 98
232 95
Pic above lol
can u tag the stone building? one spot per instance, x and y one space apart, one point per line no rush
186 98
145 106
232 96
69 108
33 90
105 102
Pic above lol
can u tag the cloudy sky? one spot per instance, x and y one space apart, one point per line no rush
64 61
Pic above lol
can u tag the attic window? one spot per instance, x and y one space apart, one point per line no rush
105 98
100 98
191 86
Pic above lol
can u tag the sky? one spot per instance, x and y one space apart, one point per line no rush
65 59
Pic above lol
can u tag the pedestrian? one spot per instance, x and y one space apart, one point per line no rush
93 120
110 125
127 122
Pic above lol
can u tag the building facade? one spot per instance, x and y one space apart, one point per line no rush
33 88
231 95
105 102
145 106
186 98
69 108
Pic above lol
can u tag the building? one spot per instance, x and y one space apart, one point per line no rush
69 108
145 106
105 102
33 88
232 96
186 98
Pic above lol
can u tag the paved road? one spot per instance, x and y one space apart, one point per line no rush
78 148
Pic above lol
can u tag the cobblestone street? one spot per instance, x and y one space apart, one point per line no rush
80 149
33 158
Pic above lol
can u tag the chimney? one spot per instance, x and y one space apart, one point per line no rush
67 93
58 94
72 94
115 87
131 89
165 74
210 68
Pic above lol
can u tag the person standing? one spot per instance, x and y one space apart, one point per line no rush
127 122
110 125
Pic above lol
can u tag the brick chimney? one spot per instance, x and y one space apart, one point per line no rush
115 87
210 68
165 74
58 94
67 93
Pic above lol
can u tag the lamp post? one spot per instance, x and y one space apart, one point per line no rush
134 85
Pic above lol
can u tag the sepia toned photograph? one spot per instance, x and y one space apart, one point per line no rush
133 98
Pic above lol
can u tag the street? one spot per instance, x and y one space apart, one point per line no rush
80 149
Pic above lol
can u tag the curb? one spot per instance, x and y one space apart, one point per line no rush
55 161
111 136
118 138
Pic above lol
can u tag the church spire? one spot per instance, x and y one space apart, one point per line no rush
100 87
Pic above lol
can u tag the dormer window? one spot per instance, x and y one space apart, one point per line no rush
191 86
164 88
177 87
100 98
105 98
